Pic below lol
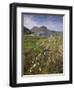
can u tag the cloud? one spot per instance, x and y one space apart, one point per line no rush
50 21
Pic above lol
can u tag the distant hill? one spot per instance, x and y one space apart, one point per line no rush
44 31
26 30
40 31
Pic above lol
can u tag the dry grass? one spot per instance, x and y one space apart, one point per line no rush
43 55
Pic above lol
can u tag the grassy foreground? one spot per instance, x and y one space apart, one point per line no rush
43 54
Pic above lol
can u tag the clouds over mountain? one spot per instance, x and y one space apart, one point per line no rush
53 22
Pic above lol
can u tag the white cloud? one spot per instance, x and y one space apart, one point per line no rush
29 23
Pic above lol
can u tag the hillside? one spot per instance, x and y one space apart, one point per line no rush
43 55
26 30
40 31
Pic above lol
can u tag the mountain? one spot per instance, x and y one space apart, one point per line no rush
26 30
43 31
40 31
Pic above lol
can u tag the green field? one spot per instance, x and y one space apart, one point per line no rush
43 54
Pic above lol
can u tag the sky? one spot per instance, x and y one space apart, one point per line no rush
52 22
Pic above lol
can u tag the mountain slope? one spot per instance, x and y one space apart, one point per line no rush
41 31
27 31
44 31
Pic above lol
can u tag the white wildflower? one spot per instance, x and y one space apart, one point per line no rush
39 69
34 65
30 70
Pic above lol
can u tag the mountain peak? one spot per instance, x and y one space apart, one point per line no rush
43 27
